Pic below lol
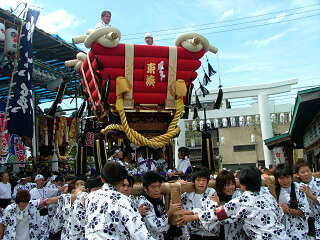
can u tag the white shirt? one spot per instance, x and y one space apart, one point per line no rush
284 196
193 200
110 216
102 25
22 228
43 193
5 190
183 165
259 213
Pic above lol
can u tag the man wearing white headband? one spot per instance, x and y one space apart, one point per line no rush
40 192
148 38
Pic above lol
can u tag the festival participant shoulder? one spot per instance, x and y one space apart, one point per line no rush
110 216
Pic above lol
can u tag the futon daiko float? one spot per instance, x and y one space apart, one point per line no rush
139 79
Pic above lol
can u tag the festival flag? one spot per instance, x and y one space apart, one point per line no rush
20 104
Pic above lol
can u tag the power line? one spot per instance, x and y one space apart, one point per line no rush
252 26
230 20
229 25
273 98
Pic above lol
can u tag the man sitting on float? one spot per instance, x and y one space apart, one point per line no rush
184 167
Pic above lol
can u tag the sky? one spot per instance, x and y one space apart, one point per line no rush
258 41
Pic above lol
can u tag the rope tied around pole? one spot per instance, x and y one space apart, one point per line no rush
136 138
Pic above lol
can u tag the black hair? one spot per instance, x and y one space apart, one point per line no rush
301 163
82 178
22 196
131 181
94 183
3 173
284 170
151 177
201 172
70 178
223 179
113 173
251 178
103 13
58 179
184 150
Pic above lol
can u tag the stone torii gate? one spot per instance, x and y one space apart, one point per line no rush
262 91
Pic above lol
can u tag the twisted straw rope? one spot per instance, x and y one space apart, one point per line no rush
137 139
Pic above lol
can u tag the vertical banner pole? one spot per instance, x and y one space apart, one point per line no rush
34 139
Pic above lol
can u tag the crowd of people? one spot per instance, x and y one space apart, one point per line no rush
141 163
103 207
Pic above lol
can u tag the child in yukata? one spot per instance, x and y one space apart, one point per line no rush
156 218
226 191
63 220
311 187
21 220
258 212
293 202
204 197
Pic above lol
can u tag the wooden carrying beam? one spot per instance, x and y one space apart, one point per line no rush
177 188
180 187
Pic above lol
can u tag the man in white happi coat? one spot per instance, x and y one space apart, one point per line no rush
39 193
109 213
23 184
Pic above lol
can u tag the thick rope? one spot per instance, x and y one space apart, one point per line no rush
137 139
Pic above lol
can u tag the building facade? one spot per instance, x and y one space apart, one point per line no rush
237 140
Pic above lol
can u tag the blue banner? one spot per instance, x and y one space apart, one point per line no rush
20 105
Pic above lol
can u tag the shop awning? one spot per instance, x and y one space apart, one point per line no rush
49 51
306 108
277 140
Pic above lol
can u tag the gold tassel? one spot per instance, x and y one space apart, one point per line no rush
119 104
181 88
122 86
